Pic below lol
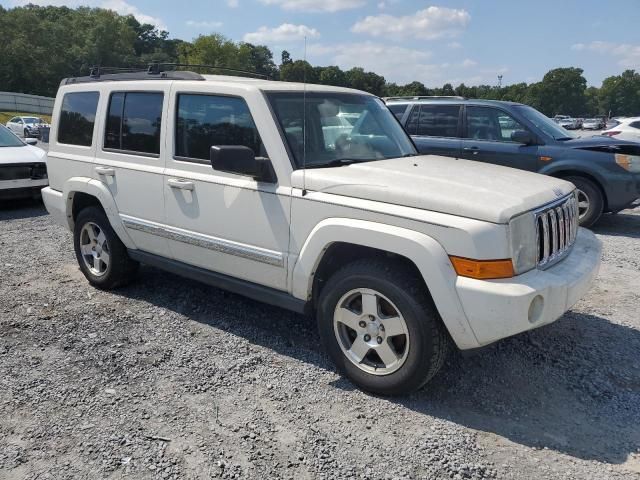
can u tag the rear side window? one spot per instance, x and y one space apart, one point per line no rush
398 110
134 121
206 120
635 124
77 118
438 120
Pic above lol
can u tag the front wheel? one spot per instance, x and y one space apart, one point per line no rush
101 255
590 201
380 327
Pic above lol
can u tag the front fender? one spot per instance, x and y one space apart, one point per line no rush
98 190
568 166
427 254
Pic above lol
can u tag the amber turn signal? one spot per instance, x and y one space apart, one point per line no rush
482 269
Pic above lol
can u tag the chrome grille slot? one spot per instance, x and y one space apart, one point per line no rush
556 230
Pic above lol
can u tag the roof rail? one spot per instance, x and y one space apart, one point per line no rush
154 71
426 97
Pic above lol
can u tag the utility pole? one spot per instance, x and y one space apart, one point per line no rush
499 81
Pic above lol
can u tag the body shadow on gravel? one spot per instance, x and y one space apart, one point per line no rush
619 225
572 387
21 208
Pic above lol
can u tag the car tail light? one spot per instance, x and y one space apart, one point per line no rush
611 134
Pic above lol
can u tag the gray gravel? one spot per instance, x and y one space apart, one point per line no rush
168 378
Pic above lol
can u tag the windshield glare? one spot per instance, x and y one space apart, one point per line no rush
8 139
339 126
545 124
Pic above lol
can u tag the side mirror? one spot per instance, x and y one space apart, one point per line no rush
522 136
242 161
31 141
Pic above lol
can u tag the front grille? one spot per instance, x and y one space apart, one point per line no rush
556 230
34 171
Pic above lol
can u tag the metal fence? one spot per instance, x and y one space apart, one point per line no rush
21 102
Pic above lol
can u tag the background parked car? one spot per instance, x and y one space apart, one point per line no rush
592 124
23 169
606 171
26 126
627 129
569 123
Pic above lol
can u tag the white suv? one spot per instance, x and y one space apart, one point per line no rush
249 185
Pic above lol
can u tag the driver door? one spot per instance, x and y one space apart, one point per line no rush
221 221
487 138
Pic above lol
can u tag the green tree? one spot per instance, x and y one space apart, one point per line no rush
298 71
562 91
620 94
332 76
368 81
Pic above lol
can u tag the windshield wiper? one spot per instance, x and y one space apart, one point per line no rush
339 162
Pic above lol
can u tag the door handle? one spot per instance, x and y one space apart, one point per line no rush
181 184
475 150
107 171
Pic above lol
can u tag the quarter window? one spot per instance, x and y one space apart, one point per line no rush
77 118
398 110
486 123
134 122
207 120
438 120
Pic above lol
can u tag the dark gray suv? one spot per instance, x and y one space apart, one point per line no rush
605 171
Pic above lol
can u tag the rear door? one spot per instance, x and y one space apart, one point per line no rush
435 129
487 138
131 162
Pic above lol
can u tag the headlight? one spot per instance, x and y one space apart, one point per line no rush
630 163
524 246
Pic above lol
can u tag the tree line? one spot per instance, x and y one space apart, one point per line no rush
42 45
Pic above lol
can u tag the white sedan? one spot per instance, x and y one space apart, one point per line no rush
23 168
26 126
628 129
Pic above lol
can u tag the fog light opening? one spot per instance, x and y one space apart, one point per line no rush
535 309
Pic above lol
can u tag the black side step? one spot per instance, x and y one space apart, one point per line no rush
241 287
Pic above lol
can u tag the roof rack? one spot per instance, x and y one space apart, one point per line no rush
154 71
426 97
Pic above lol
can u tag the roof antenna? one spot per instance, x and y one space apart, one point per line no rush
304 120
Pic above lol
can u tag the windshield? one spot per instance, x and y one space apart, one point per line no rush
544 123
8 139
340 127
32 120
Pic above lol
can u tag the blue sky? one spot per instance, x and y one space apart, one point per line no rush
470 41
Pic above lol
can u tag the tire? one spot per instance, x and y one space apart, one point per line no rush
423 347
114 268
589 195
26 133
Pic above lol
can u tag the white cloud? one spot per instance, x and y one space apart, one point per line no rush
428 24
316 5
118 6
286 32
628 55
454 45
233 3
203 24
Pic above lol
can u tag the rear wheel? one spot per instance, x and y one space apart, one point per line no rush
101 255
590 200
381 328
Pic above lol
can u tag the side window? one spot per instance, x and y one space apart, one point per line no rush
77 118
412 122
487 123
133 122
635 124
206 120
398 110
439 120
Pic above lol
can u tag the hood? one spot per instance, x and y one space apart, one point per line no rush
26 154
464 188
604 143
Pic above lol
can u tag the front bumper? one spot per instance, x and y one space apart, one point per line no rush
55 204
498 309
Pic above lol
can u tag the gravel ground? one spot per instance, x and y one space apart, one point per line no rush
168 378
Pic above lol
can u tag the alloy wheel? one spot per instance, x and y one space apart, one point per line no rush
371 331
94 249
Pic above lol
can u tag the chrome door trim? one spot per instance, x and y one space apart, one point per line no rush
215 244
